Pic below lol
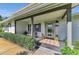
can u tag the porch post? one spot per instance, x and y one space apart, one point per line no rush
56 28
15 26
32 26
69 27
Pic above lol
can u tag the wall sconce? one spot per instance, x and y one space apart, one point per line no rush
56 23
9 24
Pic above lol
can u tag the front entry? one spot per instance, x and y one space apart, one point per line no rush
37 30
50 30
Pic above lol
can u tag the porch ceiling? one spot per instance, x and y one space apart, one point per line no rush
37 8
56 15
40 7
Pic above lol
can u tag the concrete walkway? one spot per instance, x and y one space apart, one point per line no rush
46 51
43 51
9 48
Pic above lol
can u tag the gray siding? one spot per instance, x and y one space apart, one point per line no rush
62 29
75 30
21 27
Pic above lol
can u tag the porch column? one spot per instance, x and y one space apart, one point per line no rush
56 28
15 26
69 27
32 26
43 28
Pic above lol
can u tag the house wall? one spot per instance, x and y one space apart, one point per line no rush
6 29
62 30
75 30
21 27
11 28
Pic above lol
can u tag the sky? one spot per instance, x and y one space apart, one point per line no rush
75 10
6 9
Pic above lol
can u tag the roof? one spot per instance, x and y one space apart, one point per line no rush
35 9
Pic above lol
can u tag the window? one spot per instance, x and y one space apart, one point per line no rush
37 27
29 28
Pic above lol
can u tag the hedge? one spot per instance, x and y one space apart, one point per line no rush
68 51
22 40
76 44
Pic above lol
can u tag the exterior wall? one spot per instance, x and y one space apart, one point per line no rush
75 30
21 27
10 29
62 30
42 30
6 29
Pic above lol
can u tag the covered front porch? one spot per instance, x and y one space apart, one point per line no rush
47 25
44 21
54 23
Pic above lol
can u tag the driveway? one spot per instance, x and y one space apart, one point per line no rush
9 48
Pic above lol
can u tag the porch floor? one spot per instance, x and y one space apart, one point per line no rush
50 42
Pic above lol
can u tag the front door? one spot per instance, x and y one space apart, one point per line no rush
50 30
37 30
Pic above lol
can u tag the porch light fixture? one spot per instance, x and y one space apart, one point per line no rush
56 23
9 24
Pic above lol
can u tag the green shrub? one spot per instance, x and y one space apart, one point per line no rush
25 41
68 51
65 42
76 44
1 30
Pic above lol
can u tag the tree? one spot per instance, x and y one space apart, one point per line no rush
1 18
1 27
5 17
